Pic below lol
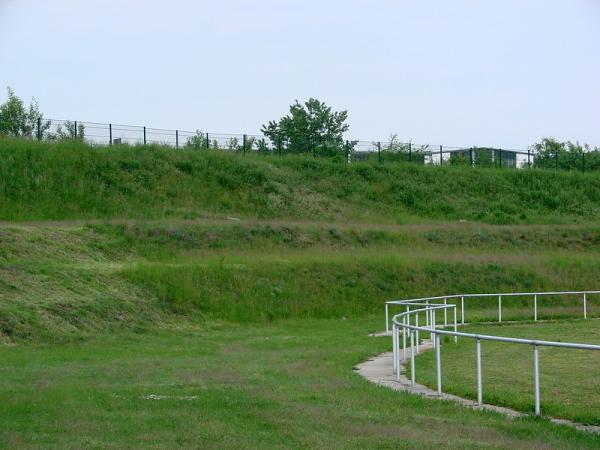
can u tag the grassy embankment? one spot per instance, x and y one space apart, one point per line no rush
250 329
66 180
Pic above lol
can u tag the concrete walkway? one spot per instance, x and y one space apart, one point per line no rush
379 370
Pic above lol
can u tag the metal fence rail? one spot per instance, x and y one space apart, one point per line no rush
407 324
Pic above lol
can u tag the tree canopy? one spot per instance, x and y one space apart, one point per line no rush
18 120
309 127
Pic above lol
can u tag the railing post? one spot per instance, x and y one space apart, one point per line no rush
585 305
404 339
379 152
207 141
244 141
144 135
471 156
387 319
433 323
500 308
427 321
438 361
39 128
479 375
394 329
397 355
462 310
445 312
410 151
455 325
417 331
75 128
176 138
536 375
412 359
535 312
110 139
441 156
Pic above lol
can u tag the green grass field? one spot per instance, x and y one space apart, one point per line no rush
160 299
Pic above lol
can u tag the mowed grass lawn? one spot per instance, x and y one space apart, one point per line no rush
568 377
288 384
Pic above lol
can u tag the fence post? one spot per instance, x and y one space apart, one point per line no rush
207 141
379 152
535 309
244 140
584 305
471 155
110 140
39 128
536 376
529 157
441 156
479 375
410 151
75 129
176 138
347 152
144 135
462 310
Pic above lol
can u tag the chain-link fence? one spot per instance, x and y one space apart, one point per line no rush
393 150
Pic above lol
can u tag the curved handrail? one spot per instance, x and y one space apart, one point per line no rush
402 321
499 295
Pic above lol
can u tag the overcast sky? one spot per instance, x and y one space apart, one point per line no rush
496 72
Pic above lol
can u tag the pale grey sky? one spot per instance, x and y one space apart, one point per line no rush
462 72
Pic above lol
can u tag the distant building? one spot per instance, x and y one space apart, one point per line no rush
485 157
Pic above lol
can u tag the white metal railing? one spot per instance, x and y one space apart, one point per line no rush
407 323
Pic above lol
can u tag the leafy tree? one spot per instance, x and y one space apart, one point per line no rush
262 146
310 127
394 145
197 141
232 143
550 153
18 120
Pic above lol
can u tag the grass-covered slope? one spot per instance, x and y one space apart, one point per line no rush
69 180
71 282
